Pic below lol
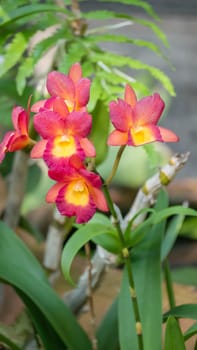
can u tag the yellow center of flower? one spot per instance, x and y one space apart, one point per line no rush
64 146
77 193
69 104
142 135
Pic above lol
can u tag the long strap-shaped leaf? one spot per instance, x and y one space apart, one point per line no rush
19 268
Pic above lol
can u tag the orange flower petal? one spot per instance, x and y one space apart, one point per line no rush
38 150
53 192
117 138
75 72
168 135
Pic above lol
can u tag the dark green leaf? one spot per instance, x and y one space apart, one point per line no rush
190 332
100 130
108 241
107 332
171 235
173 338
19 268
183 311
77 241
126 319
185 275
147 276
137 234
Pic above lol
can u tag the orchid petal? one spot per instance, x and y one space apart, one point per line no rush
99 199
59 84
38 150
148 110
130 96
80 123
75 72
117 138
60 107
18 142
145 134
88 147
168 135
121 115
36 107
82 92
48 124
15 115
4 144
53 192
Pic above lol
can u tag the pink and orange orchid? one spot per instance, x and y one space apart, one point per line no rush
62 138
136 121
77 192
68 92
18 138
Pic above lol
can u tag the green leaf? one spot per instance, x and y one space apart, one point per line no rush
29 10
124 39
117 60
183 311
108 241
13 53
77 241
111 14
171 235
189 228
25 70
190 332
5 339
143 4
137 234
100 130
148 273
173 338
126 320
185 275
19 268
107 332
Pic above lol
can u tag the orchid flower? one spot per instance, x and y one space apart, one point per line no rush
62 138
18 138
68 92
136 121
77 192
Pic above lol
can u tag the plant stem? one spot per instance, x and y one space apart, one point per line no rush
127 261
116 163
169 286
90 296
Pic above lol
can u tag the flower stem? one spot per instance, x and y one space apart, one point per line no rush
127 261
169 286
115 166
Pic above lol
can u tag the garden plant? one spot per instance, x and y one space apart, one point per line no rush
70 102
